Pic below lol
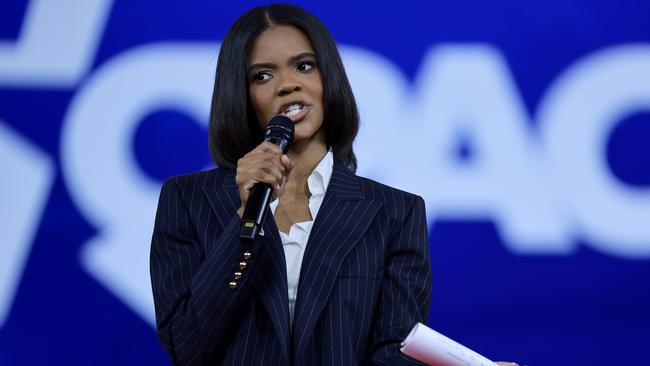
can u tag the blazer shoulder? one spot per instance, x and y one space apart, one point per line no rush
389 196
215 177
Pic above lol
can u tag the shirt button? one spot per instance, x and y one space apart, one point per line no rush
242 265
248 255
237 275
232 285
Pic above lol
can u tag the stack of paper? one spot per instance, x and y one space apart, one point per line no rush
428 346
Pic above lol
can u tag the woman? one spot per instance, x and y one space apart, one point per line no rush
341 273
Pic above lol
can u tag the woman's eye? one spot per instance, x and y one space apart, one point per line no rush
304 66
261 76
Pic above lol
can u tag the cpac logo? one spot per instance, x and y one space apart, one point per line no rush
543 190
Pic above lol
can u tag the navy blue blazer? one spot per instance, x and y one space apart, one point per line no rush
365 279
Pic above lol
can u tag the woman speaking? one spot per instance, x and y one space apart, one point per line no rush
339 272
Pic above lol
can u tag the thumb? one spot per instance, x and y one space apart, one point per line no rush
287 162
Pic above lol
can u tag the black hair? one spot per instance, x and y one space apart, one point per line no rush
234 129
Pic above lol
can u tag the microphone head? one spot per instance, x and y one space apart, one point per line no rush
279 131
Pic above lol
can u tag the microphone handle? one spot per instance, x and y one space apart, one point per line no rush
255 211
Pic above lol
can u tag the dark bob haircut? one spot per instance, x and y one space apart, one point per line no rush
234 129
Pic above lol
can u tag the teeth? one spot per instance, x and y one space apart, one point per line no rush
293 112
293 109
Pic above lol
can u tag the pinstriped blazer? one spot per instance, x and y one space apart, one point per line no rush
364 282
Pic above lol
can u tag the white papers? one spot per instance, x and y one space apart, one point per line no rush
428 346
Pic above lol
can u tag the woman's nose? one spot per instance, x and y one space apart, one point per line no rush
288 85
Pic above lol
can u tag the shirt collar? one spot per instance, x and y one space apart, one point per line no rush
320 177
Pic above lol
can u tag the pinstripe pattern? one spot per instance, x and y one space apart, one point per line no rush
364 282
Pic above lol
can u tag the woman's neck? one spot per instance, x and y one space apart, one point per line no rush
305 156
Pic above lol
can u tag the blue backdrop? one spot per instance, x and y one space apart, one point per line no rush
524 125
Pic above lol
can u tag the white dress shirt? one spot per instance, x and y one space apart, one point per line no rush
295 242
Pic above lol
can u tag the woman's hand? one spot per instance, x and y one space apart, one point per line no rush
263 164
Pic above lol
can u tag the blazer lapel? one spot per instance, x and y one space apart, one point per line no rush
223 196
344 216
270 280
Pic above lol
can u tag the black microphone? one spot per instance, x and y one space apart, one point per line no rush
279 131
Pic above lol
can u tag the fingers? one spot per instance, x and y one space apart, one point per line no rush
264 164
278 191
268 146
260 168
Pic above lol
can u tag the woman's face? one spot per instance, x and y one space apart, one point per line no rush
284 79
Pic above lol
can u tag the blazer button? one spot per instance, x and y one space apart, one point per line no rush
242 265
237 275
248 255
232 285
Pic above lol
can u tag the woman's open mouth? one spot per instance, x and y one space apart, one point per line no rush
295 111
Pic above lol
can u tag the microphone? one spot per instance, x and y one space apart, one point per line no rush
279 131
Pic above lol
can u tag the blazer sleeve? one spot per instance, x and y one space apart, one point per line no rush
406 288
194 305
